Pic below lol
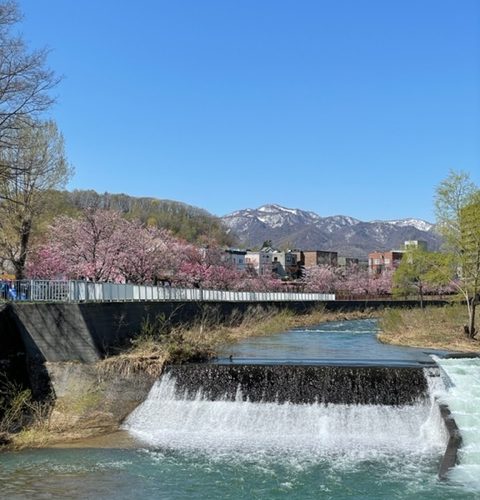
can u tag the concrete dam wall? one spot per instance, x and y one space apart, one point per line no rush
301 384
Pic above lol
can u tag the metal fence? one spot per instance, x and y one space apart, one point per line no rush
35 290
84 291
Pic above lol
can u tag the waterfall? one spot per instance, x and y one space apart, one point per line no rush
174 418
461 392
299 384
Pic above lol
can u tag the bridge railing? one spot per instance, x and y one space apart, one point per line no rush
85 291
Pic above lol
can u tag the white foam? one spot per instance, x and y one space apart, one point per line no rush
314 431
462 394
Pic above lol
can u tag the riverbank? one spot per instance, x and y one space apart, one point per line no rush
160 344
432 327
92 399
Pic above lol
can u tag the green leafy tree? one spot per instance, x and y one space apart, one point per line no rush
37 166
469 270
457 206
419 271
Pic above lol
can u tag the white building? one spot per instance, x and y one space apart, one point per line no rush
236 257
260 262
416 244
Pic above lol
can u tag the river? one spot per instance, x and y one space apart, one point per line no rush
179 448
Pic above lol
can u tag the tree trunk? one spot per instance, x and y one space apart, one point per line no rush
471 320
22 259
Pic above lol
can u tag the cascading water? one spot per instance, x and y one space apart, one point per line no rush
352 428
172 419
461 392
362 422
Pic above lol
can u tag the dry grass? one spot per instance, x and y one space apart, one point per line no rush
148 356
435 327
32 437
24 421
159 343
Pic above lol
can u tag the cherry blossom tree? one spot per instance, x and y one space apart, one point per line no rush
219 276
87 247
102 246
320 279
262 283
381 284
354 281
47 262
149 254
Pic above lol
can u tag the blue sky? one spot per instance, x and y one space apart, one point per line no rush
354 107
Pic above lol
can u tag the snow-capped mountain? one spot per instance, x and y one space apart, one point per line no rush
273 216
420 224
307 230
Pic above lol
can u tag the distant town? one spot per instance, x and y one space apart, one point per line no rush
290 264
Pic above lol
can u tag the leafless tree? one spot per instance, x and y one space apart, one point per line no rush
25 79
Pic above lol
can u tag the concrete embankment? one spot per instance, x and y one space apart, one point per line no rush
450 457
88 332
90 400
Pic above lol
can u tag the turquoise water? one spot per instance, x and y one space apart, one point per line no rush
170 474
195 448
338 342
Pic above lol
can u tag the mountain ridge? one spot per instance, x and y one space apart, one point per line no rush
350 237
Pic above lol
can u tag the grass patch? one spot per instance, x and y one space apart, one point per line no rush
435 327
31 437
80 402
23 421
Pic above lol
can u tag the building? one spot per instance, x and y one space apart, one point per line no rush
381 261
260 262
346 262
311 258
285 264
412 244
236 258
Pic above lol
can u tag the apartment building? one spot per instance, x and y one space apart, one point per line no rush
260 262
311 258
380 261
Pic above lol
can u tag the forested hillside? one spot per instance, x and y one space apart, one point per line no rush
185 221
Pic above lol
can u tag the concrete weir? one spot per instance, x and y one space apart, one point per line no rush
302 384
450 458
307 384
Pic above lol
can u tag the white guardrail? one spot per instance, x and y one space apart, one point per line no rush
85 291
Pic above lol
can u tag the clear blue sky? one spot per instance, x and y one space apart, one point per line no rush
351 107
